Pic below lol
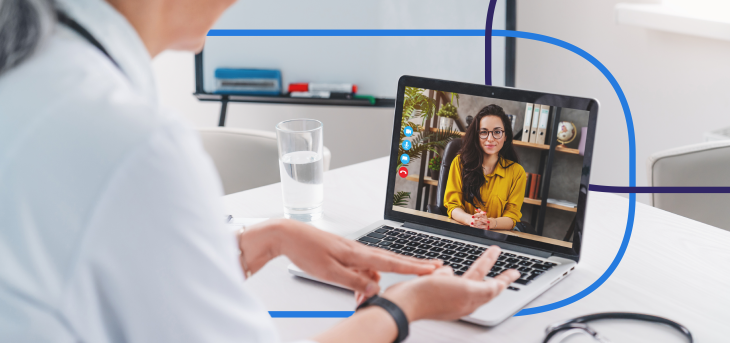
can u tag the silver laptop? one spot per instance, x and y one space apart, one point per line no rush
552 136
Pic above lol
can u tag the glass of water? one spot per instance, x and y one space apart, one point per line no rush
301 168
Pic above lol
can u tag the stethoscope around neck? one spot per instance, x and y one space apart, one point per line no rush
76 27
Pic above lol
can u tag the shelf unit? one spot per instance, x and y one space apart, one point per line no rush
224 99
547 156
533 145
538 202
427 180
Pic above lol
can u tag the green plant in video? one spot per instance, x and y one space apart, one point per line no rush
401 198
416 105
435 163
429 142
448 111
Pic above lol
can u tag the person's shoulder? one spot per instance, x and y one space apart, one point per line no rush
456 162
70 94
68 82
515 168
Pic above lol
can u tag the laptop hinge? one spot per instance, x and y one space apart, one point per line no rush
480 240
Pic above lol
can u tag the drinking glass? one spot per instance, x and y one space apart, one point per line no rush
301 168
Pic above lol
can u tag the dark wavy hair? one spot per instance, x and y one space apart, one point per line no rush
24 24
472 154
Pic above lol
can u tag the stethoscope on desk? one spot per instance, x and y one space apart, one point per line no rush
579 326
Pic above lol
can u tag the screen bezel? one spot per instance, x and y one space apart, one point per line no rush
590 105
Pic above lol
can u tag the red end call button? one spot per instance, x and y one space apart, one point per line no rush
403 172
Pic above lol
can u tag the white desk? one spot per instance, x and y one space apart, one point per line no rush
674 267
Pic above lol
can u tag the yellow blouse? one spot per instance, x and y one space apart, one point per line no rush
503 192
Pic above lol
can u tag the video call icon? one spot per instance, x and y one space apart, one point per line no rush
408 131
406 145
403 172
404 159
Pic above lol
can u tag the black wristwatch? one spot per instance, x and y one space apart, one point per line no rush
401 321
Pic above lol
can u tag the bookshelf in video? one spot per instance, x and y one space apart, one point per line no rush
434 132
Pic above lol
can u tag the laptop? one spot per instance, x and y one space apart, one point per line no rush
552 136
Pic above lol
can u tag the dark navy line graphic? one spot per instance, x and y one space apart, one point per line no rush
656 190
488 44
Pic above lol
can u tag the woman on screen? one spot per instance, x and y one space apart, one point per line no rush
486 185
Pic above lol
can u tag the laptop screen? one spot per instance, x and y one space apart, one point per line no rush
511 163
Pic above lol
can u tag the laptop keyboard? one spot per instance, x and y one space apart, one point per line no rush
459 255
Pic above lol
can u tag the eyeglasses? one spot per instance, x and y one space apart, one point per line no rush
497 134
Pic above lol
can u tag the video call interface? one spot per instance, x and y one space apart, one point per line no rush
465 133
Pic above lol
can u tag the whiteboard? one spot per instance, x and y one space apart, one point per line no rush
374 64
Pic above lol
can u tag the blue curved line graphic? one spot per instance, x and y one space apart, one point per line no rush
346 33
499 33
310 314
632 165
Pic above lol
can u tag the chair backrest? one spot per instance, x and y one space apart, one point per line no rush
450 151
245 158
705 164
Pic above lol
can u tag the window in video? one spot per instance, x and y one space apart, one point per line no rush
480 162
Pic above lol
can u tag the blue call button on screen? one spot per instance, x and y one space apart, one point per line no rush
408 131
406 145
404 159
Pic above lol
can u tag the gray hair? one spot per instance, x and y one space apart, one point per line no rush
24 24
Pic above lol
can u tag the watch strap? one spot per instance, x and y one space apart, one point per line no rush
401 321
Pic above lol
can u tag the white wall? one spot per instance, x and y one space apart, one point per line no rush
677 86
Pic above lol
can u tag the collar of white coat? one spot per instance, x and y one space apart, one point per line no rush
119 38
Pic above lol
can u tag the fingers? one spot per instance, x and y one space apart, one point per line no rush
493 287
386 261
480 225
486 291
359 298
483 264
444 271
508 276
360 281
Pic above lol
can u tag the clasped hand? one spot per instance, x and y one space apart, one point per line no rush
481 221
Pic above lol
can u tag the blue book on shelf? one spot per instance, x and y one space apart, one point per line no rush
247 81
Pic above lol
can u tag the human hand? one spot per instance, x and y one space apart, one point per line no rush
444 296
481 221
335 259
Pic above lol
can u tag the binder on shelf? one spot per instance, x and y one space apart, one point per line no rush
537 187
247 81
527 124
535 120
533 185
543 124
527 185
